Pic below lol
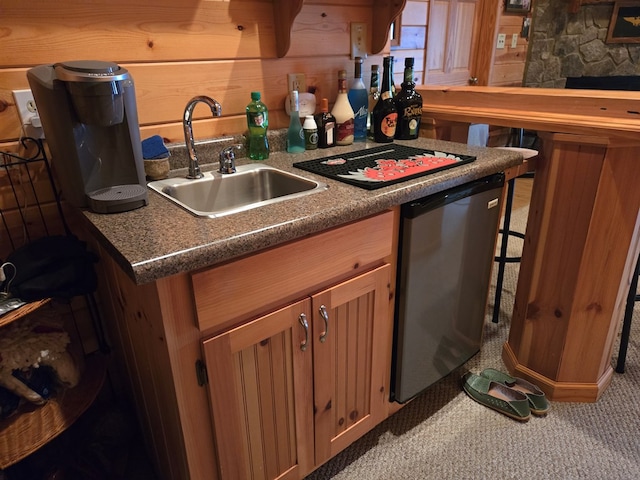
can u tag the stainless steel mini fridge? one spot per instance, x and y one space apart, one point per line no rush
447 246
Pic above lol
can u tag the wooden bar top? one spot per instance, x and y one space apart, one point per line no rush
583 231
608 113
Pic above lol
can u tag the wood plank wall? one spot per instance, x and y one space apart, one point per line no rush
178 49
222 48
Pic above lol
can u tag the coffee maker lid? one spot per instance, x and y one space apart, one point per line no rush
90 71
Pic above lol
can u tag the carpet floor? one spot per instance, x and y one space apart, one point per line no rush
443 434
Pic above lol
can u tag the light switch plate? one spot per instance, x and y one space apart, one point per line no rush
514 40
502 38
358 40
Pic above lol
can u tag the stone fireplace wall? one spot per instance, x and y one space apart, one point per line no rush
567 44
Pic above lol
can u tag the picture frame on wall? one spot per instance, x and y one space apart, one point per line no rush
624 26
517 6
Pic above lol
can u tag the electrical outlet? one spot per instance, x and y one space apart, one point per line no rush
358 40
297 81
502 38
26 105
514 40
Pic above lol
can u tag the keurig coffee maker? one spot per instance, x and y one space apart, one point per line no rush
90 121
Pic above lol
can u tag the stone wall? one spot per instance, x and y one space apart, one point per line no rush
567 44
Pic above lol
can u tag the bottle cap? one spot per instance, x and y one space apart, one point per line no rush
255 96
342 74
408 62
375 67
324 105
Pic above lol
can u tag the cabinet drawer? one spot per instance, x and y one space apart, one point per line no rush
257 283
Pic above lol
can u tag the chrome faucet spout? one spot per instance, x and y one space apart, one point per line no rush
216 111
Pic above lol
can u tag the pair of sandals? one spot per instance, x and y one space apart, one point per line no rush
511 396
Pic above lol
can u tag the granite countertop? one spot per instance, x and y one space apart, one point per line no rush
162 239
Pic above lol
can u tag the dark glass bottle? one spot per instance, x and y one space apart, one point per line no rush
374 94
326 126
385 115
409 105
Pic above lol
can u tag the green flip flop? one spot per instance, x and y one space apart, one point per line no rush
538 402
497 396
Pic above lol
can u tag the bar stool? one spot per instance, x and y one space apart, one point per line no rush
632 298
526 168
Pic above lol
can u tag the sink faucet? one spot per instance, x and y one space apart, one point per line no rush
228 159
216 110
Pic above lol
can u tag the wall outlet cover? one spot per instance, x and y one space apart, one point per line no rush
358 40
502 38
296 81
514 40
26 105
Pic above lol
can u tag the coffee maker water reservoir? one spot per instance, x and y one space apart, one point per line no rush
90 121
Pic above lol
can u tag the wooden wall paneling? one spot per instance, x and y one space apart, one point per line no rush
125 31
326 30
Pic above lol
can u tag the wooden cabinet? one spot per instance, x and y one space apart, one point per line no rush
292 388
269 409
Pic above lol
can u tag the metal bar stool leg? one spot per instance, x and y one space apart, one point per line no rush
632 297
503 249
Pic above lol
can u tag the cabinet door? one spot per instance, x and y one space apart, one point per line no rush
261 390
351 356
452 42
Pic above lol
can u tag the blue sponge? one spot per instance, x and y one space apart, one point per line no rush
153 148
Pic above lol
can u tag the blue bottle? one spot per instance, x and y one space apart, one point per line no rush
359 100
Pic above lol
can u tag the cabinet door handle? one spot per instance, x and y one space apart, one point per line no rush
325 316
303 321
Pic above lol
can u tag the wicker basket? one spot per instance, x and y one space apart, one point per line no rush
33 426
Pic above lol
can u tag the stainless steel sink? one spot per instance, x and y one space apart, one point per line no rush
253 185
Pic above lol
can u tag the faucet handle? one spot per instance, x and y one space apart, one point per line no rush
228 159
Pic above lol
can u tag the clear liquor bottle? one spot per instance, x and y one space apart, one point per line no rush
295 134
409 105
385 114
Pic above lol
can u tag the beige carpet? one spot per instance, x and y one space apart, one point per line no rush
443 434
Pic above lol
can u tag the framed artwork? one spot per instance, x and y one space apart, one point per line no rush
517 6
624 26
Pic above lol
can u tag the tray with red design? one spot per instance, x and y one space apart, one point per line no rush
382 166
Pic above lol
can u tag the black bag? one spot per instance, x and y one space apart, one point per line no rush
56 266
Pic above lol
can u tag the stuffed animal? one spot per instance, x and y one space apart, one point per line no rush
29 349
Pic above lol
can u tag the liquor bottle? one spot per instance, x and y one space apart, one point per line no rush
310 133
258 122
385 115
374 94
409 105
326 126
343 112
359 101
295 134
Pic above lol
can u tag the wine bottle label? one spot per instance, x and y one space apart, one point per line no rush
310 138
344 132
412 111
329 130
388 125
